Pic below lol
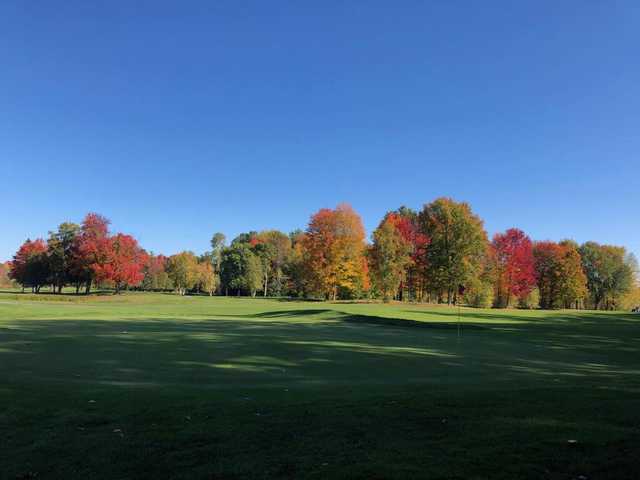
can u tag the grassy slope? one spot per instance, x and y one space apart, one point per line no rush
156 386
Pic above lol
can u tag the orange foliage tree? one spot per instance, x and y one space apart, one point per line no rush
334 248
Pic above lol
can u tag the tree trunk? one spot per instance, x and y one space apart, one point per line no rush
266 282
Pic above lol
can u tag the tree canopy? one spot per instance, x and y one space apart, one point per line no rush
440 254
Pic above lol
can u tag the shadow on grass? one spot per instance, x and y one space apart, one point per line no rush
406 323
266 350
293 313
550 316
349 318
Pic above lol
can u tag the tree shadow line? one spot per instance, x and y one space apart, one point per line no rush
160 350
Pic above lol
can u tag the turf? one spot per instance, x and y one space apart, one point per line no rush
157 386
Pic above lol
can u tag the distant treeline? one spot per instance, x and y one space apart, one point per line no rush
440 254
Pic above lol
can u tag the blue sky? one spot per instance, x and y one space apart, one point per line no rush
180 119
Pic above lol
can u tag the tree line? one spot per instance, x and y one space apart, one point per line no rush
440 254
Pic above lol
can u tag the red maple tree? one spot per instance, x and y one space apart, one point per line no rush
406 224
91 248
123 262
29 264
514 265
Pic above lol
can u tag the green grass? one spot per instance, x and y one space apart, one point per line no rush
157 386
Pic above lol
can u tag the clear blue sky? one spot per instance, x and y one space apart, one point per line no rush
180 119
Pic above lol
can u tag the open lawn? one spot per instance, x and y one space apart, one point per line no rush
158 386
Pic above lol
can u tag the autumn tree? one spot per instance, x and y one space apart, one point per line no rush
123 262
389 256
183 271
414 281
207 278
457 244
334 247
155 273
546 256
5 280
512 256
91 249
295 267
573 281
30 265
559 274
417 281
247 238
